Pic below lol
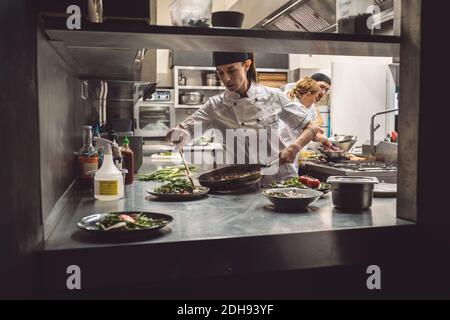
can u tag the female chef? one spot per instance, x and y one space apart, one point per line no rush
245 105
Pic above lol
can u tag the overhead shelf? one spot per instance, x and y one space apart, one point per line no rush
201 88
188 106
136 35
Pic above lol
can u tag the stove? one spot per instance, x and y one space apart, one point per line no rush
322 169
362 165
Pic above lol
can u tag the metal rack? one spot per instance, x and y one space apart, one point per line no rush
197 76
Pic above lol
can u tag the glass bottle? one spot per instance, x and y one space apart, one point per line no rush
128 160
87 159
98 147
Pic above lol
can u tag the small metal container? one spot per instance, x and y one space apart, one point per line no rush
192 98
352 192
211 79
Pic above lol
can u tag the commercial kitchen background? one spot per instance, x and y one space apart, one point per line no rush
37 81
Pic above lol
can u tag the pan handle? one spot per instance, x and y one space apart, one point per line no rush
271 163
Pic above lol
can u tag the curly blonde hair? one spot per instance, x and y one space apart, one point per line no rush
303 86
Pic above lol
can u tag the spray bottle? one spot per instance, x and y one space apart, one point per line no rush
108 180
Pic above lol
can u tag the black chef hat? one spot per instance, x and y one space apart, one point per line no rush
321 77
221 58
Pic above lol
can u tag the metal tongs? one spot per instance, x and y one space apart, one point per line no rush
186 167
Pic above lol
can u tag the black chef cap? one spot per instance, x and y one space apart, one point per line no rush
221 58
321 77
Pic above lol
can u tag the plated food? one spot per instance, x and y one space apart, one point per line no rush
178 190
133 221
292 199
286 194
303 182
178 186
333 153
166 174
124 223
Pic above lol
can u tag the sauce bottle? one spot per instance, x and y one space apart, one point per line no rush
128 160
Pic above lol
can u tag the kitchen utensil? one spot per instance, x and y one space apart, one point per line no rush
211 79
309 196
182 80
271 163
344 142
230 19
352 192
149 90
186 167
211 180
191 98
89 224
202 191
333 156
192 13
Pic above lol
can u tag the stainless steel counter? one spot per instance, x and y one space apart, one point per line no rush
220 234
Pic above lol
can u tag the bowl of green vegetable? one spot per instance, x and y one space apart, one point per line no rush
292 199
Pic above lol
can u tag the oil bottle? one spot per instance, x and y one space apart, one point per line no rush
87 159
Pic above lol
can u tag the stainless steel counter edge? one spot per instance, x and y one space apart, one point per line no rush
102 267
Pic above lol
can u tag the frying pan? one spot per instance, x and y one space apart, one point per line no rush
208 179
333 156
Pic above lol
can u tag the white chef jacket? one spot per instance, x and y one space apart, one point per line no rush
263 108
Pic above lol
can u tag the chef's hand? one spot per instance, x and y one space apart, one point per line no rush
327 144
288 154
178 136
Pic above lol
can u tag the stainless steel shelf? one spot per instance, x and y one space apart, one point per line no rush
201 88
186 106
135 35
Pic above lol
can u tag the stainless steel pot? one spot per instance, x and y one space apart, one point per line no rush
352 193
192 98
